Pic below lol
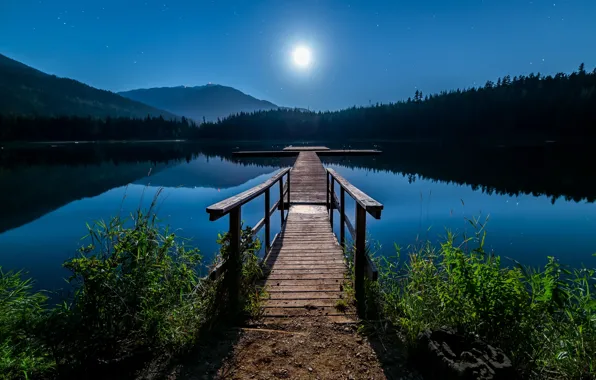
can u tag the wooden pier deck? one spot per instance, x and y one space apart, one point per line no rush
305 267
295 151
308 181
306 262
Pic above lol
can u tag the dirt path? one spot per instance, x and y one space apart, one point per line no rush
301 349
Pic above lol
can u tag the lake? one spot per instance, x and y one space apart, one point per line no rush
540 200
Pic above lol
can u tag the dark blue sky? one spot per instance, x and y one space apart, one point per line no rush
363 50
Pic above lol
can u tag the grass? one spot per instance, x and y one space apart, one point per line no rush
22 314
137 289
250 294
341 305
545 320
137 294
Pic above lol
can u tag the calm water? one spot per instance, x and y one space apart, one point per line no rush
53 194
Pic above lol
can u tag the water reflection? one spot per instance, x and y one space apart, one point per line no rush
50 193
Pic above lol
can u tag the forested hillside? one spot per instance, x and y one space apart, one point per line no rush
518 109
25 91
533 106
91 129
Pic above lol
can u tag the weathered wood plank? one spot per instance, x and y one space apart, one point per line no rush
285 261
304 148
304 288
369 204
308 179
306 276
303 282
305 271
302 312
290 253
308 267
291 153
221 208
288 295
305 303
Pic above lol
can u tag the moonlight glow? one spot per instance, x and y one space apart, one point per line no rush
302 56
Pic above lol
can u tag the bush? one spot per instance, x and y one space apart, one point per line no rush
137 294
137 289
544 319
250 294
22 313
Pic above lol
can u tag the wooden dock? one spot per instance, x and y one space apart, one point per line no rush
295 151
308 180
307 268
306 271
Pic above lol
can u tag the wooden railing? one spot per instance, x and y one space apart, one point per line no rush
363 266
233 207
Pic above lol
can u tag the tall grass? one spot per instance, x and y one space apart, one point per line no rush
137 289
137 294
544 319
22 314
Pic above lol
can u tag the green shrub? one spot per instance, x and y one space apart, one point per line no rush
137 288
22 314
250 293
544 319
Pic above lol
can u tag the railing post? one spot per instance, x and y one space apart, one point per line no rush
327 202
267 217
342 217
289 189
233 261
332 199
360 257
281 199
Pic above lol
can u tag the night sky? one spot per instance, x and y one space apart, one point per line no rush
363 51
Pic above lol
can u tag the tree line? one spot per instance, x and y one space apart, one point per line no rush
533 107
73 128
512 109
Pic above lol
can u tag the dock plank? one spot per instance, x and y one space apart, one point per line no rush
308 183
306 267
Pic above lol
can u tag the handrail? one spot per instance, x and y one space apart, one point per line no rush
371 206
222 208
363 265
233 207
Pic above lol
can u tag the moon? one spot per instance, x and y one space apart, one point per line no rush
302 56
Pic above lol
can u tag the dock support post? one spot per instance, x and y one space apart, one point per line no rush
332 201
233 261
281 200
360 258
327 192
267 220
289 190
342 218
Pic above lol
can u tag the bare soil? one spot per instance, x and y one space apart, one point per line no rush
300 348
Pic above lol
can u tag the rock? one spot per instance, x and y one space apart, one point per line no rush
281 373
444 354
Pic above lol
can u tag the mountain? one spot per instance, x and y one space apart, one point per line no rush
210 101
27 91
